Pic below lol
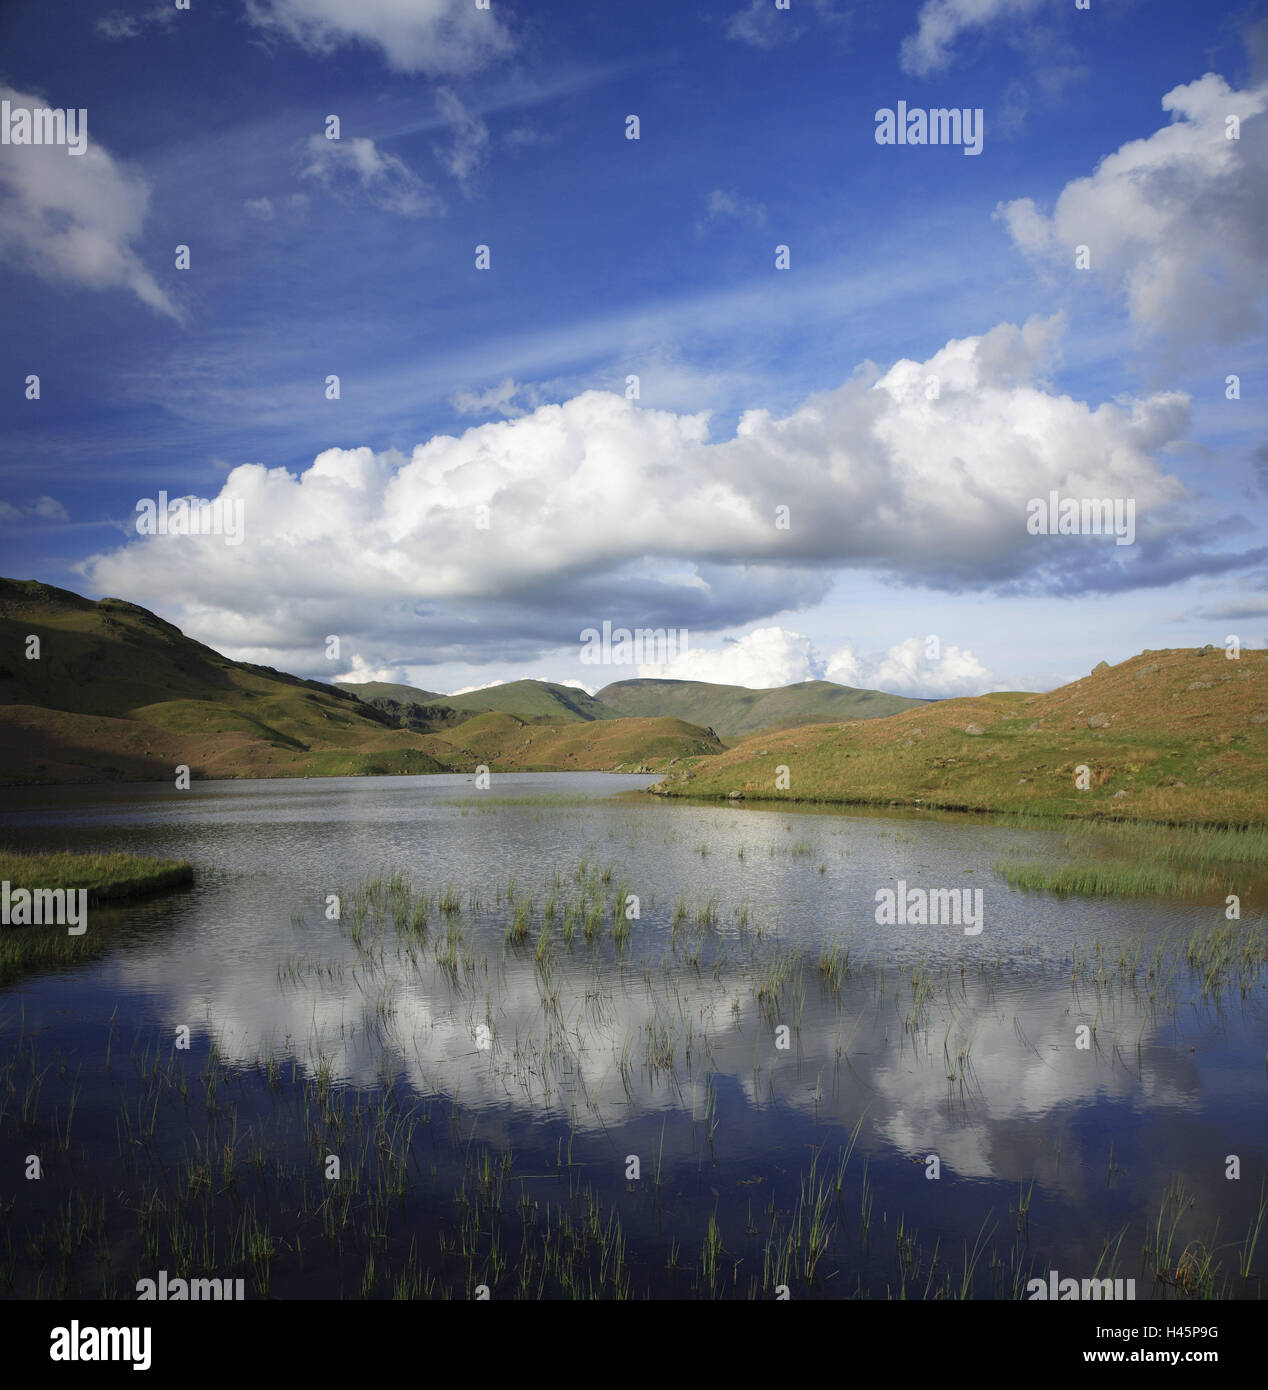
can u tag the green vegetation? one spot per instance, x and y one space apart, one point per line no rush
107 878
1128 860
527 699
117 694
1173 737
187 1163
734 710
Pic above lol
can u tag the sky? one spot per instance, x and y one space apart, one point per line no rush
754 376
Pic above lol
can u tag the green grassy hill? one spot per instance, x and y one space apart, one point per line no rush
119 694
1174 736
504 741
734 710
386 690
527 699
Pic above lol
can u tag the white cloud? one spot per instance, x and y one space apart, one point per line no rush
1175 221
436 37
496 400
363 672
766 657
941 22
357 167
118 24
260 207
75 218
45 508
49 509
761 25
471 689
774 656
599 507
470 138
908 668
579 685
521 137
725 205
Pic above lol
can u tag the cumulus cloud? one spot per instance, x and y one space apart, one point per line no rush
914 667
362 673
1174 222
471 689
773 656
352 168
941 22
437 37
75 219
516 534
766 657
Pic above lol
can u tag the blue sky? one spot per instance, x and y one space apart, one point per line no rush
506 388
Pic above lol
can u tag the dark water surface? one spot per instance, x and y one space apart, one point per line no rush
486 1096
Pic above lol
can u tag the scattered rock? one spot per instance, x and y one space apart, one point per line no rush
975 730
735 796
1259 718
1200 685
1119 794
1020 780
1146 670
1099 721
1100 666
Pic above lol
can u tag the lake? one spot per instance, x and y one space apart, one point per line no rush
562 1039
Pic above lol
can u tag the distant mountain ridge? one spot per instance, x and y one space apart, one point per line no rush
527 699
735 710
115 693
731 711
1178 736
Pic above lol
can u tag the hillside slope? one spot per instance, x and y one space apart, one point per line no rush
734 710
622 745
1178 735
526 699
117 694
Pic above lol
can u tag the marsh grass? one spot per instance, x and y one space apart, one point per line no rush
1147 861
216 1166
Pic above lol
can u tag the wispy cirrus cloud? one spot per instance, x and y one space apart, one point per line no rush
436 37
355 167
75 219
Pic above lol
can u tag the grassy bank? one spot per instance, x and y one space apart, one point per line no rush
1174 737
107 878
1124 860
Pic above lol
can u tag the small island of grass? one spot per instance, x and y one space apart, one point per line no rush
107 878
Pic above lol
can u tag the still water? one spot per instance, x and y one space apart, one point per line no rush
698 1066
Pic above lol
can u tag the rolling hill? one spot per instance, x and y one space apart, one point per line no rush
1176 736
526 699
734 710
117 694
